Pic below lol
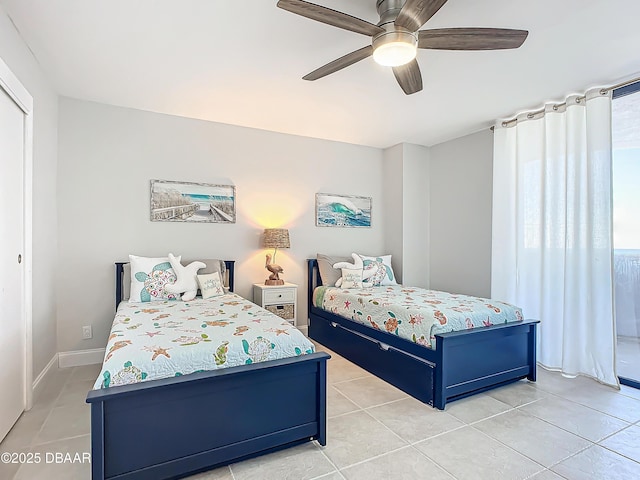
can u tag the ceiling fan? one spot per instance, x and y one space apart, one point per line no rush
396 37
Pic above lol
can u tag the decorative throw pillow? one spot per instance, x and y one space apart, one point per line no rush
210 285
356 265
149 277
328 274
186 281
351 278
213 265
381 268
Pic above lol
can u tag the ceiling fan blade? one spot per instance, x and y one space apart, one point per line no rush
471 38
340 63
416 13
330 17
409 77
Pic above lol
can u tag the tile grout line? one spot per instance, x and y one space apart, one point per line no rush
35 437
413 444
346 398
51 409
471 424
408 444
44 444
352 379
424 454
329 460
372 406
387 428
577 434
545 470
517 409
374 457
591 442
618 392
595 409
614 433
511 449
615 451
361 409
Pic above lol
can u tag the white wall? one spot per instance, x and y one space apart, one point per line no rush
406 210
431 207
416 213
460 223
108 155
17 56
392 208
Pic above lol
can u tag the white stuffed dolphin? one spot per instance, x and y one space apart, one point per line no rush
186 280
356 265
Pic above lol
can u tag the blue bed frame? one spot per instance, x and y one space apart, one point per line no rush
179 426
462 364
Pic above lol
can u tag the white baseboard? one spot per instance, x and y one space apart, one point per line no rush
40 379
78 358
304 329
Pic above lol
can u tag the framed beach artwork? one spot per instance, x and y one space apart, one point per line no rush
342 210
192 202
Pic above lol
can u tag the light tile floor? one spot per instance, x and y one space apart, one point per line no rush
552 429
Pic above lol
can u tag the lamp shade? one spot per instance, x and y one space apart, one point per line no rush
276 238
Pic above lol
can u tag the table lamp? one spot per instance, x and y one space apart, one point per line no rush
275 238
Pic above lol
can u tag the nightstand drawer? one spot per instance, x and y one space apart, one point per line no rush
279 295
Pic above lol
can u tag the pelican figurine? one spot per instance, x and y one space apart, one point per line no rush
274 278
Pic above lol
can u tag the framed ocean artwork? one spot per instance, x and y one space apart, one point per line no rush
192 202
334 210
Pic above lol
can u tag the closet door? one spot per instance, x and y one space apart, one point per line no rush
12 328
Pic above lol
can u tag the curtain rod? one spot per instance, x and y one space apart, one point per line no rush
603 91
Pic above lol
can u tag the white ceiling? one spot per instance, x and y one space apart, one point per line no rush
241 62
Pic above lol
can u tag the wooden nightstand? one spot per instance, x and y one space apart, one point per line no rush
279 299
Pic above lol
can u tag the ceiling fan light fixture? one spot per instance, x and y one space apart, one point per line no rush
392 49
394 54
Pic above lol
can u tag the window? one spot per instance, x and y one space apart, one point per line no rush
626 229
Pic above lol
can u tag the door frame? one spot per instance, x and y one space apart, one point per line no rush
23 99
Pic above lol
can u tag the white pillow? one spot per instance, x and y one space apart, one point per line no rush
356 265
149 277
381 268
351 278
186 281
210 285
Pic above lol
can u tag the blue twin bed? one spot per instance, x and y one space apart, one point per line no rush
177 426
471 360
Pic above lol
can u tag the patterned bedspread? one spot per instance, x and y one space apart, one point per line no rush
164 339
414 313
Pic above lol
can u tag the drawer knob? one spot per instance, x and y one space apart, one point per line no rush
334 324
383 346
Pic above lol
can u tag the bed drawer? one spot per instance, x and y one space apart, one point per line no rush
403 370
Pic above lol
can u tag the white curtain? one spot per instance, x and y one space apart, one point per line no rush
552 231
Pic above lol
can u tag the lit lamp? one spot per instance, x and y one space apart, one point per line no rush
275 238
394 48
